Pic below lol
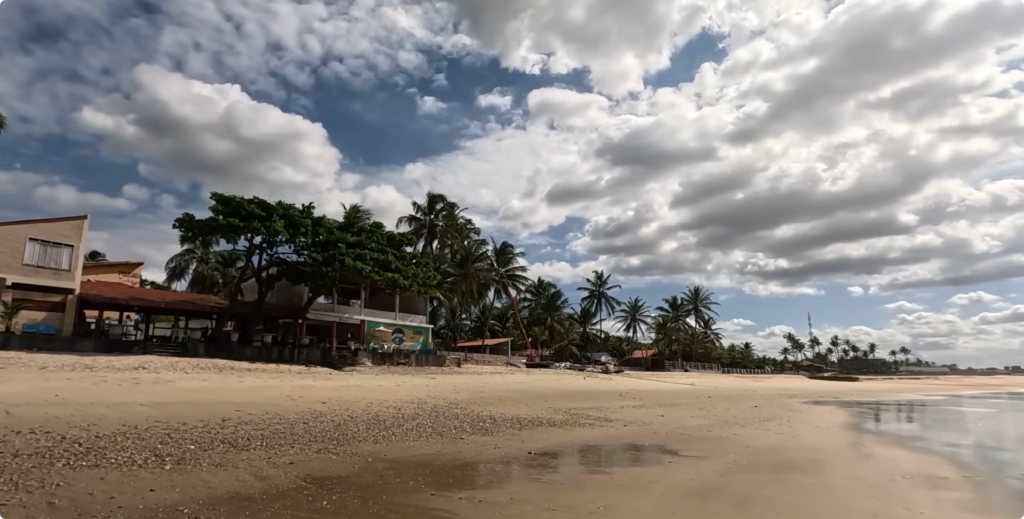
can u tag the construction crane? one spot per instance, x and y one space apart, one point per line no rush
531 356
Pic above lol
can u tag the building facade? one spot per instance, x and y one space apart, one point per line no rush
41 268
123 272
358 316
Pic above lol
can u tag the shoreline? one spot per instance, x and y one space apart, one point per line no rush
291 424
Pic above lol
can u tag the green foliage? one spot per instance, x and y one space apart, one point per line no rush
337 253
95 255
262 233
9 313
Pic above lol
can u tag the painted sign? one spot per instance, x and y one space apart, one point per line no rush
387 336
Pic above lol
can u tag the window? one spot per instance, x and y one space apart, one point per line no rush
49 255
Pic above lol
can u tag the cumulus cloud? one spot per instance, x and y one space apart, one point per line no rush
428 105
855 291
268 46
497 99
188 133
977 297
904 306
57 197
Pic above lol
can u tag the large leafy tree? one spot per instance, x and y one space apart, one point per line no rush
261 232
335 253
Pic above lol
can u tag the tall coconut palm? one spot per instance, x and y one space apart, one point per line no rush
548 312
95 255
437 224
785 353
567 338
203 269
872 349
507 275
796 345
598 293
633 319
587 321
814 344
356 215
699 305
906 353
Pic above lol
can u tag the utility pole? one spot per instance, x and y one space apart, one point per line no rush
810 329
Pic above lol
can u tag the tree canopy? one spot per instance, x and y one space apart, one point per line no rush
471 282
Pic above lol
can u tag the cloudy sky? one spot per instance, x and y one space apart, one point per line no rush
859 160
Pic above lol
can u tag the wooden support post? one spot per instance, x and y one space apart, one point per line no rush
334 336
97 331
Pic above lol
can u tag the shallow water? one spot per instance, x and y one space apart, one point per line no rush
416 488
980 430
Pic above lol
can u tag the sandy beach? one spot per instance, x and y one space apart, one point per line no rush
132 436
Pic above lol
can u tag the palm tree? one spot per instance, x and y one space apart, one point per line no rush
872 349
785 352
9 313
588 322
814 343
3 123
796 345
634 318
699 304
548 312
507 275
666 333
203 269
356 215
598 294
905 352
567 334
437 224
95 255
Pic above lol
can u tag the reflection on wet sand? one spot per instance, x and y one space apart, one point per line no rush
983 430
404 488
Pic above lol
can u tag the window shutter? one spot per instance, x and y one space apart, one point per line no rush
31 251
67 258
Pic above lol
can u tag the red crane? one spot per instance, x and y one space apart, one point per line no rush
530 355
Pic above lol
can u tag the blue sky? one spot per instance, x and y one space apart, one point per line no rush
669 145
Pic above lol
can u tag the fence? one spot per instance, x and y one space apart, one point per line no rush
480 359
409 358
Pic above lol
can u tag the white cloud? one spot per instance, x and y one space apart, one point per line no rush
58 197
733 325
904 306
977 297
497 99
855 291
136 192
266 45
427 105
184 132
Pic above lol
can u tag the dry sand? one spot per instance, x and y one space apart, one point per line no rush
130 436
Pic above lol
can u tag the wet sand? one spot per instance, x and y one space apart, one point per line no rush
153 437
984 432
